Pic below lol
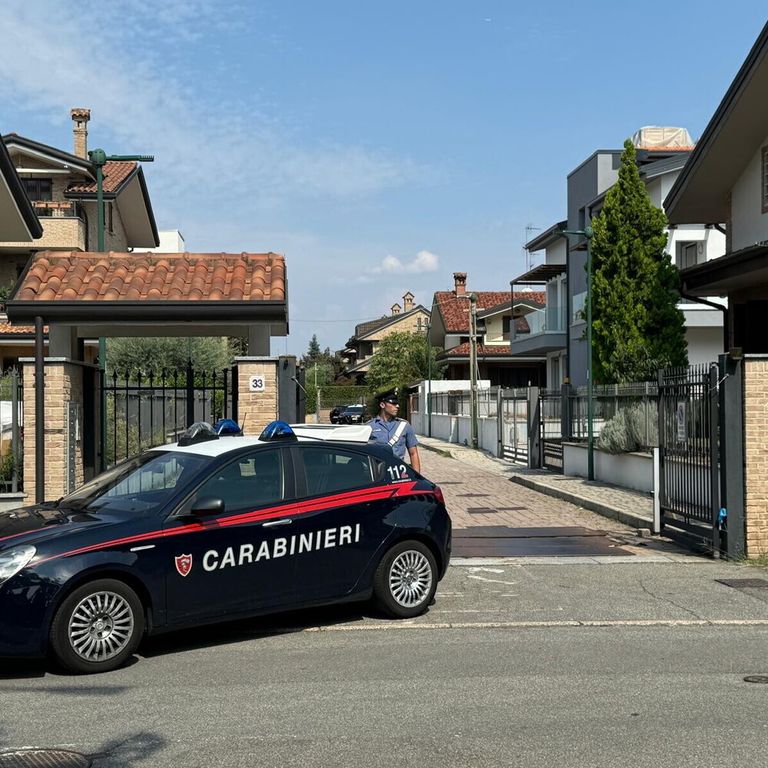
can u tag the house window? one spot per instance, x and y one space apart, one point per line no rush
505 326
38 189
110 220
686 255
764 180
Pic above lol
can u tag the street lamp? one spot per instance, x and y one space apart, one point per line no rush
472 366
429 375
587 233
99 158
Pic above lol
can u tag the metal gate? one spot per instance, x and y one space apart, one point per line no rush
551 424
513 424
141 410
689 454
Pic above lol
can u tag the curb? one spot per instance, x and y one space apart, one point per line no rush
435 449
627 518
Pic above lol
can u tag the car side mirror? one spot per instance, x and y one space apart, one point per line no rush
208 505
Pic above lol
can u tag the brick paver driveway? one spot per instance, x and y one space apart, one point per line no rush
493 516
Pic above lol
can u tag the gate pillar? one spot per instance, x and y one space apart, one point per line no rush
66 432
534 428
257 392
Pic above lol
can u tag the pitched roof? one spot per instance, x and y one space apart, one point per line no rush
455 311
37 147
116 173
483 350
365 329
69 276
17 216
733 135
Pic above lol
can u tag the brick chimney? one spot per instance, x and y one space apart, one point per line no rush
408 302
395 309
459 283
80 117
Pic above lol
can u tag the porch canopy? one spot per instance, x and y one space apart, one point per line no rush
154 294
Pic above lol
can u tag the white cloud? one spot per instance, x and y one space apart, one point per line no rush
52 61
424 261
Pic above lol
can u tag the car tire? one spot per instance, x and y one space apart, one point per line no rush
406 579
98 627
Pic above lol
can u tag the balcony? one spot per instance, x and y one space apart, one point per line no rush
546 332
63 228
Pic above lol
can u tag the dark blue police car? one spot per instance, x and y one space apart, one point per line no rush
215 528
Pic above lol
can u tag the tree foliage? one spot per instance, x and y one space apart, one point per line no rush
636 325
402 358
156 354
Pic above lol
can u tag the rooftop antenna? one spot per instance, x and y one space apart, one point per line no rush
529 229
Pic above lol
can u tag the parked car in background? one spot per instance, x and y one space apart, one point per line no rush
353 414
336 412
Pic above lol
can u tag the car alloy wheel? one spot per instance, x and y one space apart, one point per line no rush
101 626
405 580
97 627
410 578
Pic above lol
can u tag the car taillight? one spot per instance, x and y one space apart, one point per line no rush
439 495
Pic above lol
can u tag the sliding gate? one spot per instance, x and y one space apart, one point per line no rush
689 454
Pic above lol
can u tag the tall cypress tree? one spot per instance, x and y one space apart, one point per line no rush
636 325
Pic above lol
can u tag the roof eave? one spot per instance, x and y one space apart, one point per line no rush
674 203
99 311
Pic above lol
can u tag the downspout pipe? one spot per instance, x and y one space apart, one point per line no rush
714 305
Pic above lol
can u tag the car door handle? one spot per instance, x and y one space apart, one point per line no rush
273 523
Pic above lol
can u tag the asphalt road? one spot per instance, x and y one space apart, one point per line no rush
637 664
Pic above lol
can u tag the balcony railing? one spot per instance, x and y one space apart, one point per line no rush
69 209
549 319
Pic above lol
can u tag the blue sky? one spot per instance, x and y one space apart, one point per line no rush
379 146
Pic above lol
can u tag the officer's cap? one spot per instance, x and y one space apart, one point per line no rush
390 396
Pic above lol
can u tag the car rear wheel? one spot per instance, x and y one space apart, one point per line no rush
97 627
406 580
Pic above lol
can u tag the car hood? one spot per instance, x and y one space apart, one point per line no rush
31 525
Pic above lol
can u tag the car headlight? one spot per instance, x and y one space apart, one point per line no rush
12 561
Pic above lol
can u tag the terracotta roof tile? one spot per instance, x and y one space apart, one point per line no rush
455 311
115 173
483 350
68 276
6 329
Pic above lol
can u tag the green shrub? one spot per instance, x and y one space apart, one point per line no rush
631 429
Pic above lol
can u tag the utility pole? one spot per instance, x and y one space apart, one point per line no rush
473 368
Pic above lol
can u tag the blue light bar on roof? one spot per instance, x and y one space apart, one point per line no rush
277 430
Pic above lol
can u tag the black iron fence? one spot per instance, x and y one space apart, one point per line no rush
688 442
11 432
143 410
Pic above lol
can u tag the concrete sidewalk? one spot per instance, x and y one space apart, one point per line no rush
628 507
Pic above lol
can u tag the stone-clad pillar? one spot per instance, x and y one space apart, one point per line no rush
257 392
64 469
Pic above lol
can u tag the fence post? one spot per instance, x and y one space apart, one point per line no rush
732 454
566 417
534 428
499 424
656 492
190 394
15 429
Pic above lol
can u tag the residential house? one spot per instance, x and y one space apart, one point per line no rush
363 344
725 182
450 329
61 188
559 330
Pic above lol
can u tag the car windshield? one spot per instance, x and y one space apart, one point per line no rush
138 484
355 409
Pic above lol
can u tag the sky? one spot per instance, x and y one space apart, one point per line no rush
379 146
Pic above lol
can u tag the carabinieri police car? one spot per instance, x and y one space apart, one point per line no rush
215 528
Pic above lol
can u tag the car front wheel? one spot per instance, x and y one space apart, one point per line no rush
97 627
406 580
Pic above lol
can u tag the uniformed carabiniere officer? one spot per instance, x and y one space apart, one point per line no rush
397 433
